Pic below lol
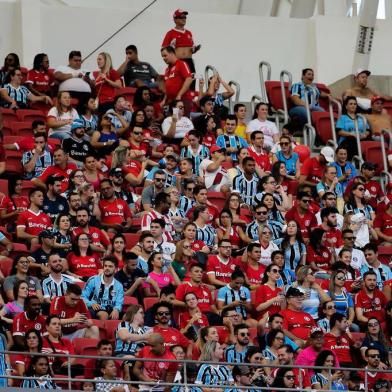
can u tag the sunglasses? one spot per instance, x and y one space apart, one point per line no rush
159 179
307 201
373 324
340 278
361 189
374 356
243 334
163 313
137 133
350 238
290 377
261 212
284 144
275 271
190 189
331 307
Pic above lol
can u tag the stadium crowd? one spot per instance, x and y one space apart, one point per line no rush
147 222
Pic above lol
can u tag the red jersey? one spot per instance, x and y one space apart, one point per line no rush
157 370
383 222
178 39
340 346
263 294
183 320
334 237
262 159
58 172
85 266
255 275
6 205
142 147
175 76
374 189
197 245
373 377
106 92
114 212
312 169
20 202
64 346
212 212
322 258
133 167
172 336
222 270
59 307
98 237
306 222
33 222
202 292
40 80
21 324
209 139
372 307
298 323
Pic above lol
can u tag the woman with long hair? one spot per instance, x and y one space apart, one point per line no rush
143 96
375 338
176 126
275 340
176 215
268 184
318 256
330 183
118 246
131 334
83 262
62 235
227 230
233 203
91 172
328 309
40 80
284 378
326 379
108 380
87 115
293 246
196 150
76 180
11 61
267 244
39 369
155 267
206 334
33 344
107 80
288 157
61 117
207 127
269 297
314 295
275 219
12 309
281 177
105 139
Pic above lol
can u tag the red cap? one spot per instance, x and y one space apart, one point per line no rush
215 148
179 12
376 98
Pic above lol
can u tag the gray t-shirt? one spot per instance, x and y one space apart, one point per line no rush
148 195
33 283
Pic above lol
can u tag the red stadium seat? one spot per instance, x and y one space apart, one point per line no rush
22 129
322 124
24 71
275 95
8 128
127 92
387 105
13 162
131 239
111 326
223 333
30 115
53 141
9 115
81 284
385 254
41 106
85 346
129 301
27 185
19 248
6 266
217 199
136 224
4 186
371 152
148 302
324 102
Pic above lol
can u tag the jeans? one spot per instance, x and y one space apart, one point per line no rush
300 113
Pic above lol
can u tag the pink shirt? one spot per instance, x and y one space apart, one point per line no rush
307 357
161 279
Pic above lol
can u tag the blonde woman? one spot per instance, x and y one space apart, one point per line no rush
107 80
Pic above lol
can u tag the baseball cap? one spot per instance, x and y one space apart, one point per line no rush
205 99
115 172
46 234
316 331
173 155
328 153
369 166
215 148
77 124
362 70
376 98
294 292
179 12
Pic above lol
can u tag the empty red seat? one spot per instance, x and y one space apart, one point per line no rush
324 102
129 301
217 199
387 105
8 128
85 346
22 129
384 254
9 115
127 92
4 186
111 326
131 239
27 185
371 151
323 126
148 302
13 162
275 95
30 115
6 266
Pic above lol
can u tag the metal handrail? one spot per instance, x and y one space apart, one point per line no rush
255 98
206 71
236 95
262 80
385 173
309 130
332 118
359 157
284 73
69 379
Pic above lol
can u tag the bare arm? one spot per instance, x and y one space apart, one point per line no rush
184 88
214 281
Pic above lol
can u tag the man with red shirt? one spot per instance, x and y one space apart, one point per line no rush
337 339
201 197
32 221
370 301
99 240
29 319
329 223
302 215
257 152
373 369
383 224
74 316
157 371
115 213
61 168
221 266
297 325
313 168
172 336
372 186
178 78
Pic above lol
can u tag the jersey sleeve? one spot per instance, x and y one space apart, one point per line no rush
306 167
167 40
184 70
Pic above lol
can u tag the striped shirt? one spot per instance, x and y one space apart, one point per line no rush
309 92
185 204
52 289
3 363
214 375
234 356
207 234
202 153
246 188
125 347
324 325
276 223
268 354
231 141
150 216
258 196
89 124
44 161
116 122
20 95
44 382
228 295
252 230
292 253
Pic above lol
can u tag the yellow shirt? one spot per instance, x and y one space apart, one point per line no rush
241 131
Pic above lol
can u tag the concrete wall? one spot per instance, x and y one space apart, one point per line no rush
234 44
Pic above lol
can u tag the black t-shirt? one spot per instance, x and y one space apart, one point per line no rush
142 71
76 149
128 281
55 207
40 256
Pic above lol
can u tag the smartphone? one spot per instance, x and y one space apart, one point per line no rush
175 111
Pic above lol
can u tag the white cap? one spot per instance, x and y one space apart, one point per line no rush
361 70
328 153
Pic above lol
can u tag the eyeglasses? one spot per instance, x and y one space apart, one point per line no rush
275 271
83 239
284 144
331 307
290 377
266 232
159 179
163 313
137 133
232 315
180 107
271 182
23 262
279 338
341 278
361 189
374 356
373 324
307 201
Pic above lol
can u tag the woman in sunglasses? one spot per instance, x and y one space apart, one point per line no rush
318 256
284 378
328 309
287 156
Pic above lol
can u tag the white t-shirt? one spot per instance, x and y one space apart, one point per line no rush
357 258
339 219
266 253
209 177
72 114
74 84
183 126
267 127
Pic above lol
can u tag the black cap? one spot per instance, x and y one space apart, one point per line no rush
46 234
206 99
369 166
294 292
115 172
